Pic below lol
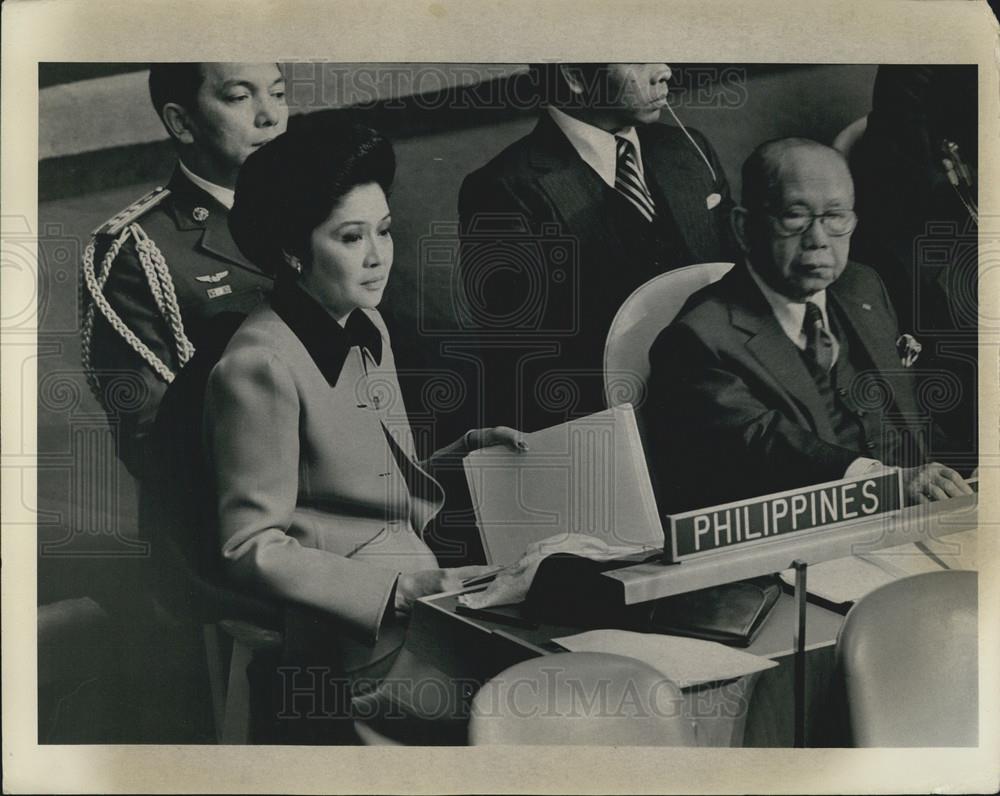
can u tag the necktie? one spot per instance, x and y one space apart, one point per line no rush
819 341
628 181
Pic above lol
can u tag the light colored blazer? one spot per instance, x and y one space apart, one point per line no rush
313 504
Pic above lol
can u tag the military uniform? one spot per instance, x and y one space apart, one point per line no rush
173 266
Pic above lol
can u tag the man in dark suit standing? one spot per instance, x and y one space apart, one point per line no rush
560 227
791 369
159 270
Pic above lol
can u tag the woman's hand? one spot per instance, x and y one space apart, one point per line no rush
476 438
411 586
498 435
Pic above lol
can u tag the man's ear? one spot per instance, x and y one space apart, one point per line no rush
739 221
178 122
574 79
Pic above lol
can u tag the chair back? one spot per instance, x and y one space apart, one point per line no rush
650 309
908 651
580 698
177 510
847 138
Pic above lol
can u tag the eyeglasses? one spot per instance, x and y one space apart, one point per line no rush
796 222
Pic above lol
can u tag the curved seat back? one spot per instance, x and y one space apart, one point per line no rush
848 138
644 314
580 698
908 651
177 511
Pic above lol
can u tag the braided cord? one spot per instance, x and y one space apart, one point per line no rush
161 287
152 260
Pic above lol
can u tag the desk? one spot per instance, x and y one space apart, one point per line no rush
447 657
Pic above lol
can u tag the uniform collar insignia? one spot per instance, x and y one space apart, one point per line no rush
193 208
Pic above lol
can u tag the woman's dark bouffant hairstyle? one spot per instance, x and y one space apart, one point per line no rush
291 185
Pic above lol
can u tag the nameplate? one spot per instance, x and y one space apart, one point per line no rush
783 515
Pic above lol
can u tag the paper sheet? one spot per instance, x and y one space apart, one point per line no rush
685 661
842 580
956 550
851 578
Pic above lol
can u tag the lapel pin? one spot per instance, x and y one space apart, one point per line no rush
199 214
866 307
712 200
908 348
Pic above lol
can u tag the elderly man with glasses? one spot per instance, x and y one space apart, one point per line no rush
791 370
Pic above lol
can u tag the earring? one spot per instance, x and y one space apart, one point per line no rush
296 266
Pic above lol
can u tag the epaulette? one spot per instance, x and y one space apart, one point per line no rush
123 218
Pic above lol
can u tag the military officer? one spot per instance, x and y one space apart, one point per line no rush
156 273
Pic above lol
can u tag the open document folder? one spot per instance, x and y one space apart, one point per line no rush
587 476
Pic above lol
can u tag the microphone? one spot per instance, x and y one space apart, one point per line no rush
960 177
715 177
951 149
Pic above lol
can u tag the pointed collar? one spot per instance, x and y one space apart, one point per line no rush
771 346
327 342
790 314
596 147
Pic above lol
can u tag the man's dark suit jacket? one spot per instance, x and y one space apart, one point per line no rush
733 409
538 195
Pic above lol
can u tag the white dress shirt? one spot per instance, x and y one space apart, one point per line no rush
224 196
595 146
790 315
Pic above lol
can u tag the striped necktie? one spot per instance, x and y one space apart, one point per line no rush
628 180
820 347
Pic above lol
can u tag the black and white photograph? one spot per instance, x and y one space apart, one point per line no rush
546 408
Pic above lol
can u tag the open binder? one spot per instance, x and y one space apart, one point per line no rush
587 476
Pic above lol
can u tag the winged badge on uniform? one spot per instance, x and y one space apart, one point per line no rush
213 278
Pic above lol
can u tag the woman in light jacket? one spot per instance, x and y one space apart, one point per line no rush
321 501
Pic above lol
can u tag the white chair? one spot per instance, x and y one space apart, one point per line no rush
909 654
651 308
580 698
847 138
